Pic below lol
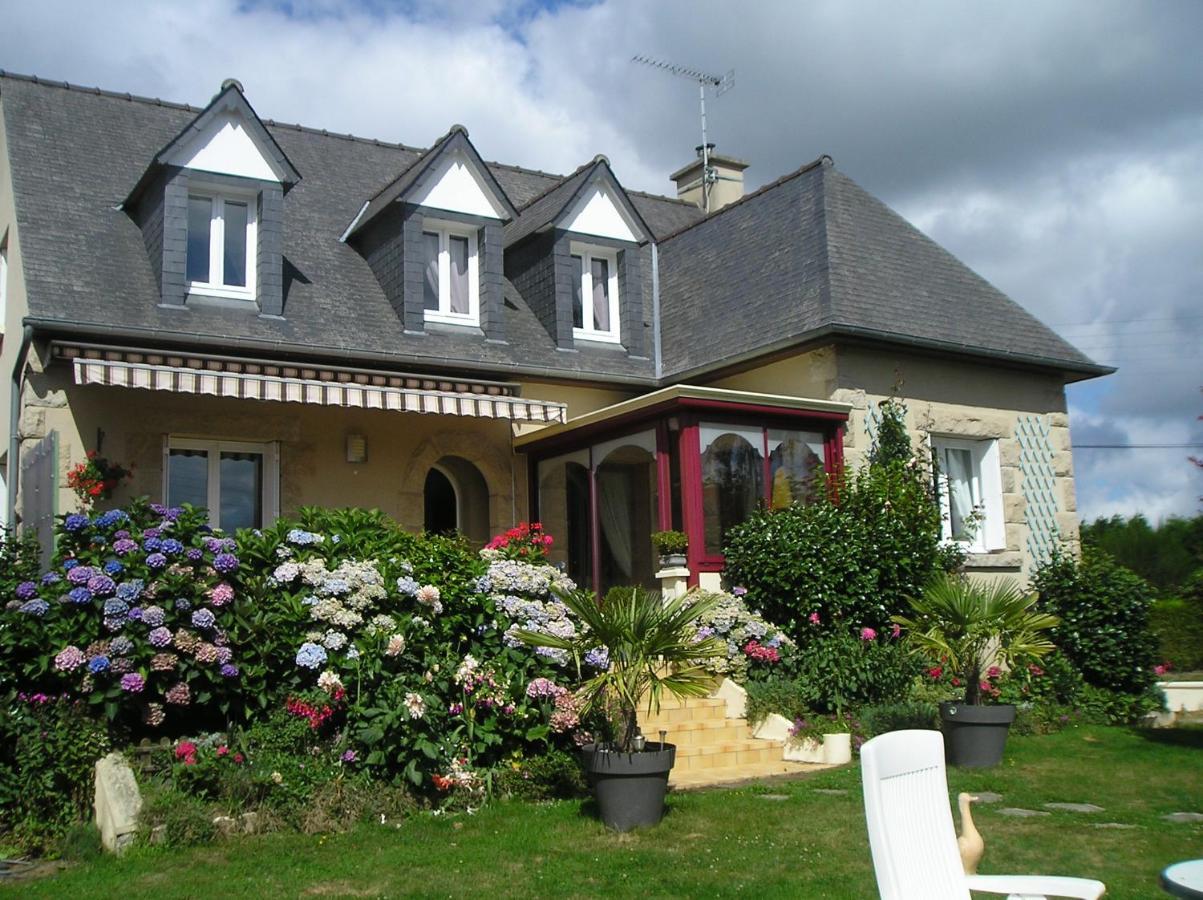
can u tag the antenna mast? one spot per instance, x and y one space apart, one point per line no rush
720 85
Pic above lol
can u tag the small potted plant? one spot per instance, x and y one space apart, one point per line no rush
671 545
821 739
652 647
974 626
95 479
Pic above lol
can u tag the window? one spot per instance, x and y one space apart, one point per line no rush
236 481
594 293
969 489
221 245
451 275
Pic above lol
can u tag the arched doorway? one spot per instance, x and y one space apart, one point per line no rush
456 498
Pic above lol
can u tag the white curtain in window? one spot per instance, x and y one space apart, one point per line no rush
959 466
614 500
601 295
459 274
430 286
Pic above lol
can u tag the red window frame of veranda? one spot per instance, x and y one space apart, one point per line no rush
686 414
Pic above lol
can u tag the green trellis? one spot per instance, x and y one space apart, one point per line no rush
1039 485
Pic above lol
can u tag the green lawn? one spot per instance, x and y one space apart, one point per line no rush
784 839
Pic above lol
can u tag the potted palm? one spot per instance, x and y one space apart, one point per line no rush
652 648
971 626
671 545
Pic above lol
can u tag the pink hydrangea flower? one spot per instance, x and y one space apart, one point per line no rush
179 694
813 618
868 634
69 659
221 594
896 630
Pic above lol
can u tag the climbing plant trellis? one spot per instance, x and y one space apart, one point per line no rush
1039 486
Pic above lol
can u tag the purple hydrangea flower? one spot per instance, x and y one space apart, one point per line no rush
311 655
120 645
598 658
134 614
80 596
159 637
124 546
183 604
36 607
75 522
154 616
194 554
133 683
121 534
156 561
79 575
101 585
158 509
348 756
204 619
174 513
114 623
98 664
229 670
224 654
152 533
225 563
51 578
26 590
152 545
213 545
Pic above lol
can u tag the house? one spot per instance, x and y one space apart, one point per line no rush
260 316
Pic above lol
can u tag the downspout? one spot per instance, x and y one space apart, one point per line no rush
658 360
14 419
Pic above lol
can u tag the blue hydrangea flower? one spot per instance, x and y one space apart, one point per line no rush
110 518
120 645
229 670
115 607
112 567
225 563
482 584
98 664
407 585
80 596
36 607
171 547
26 590
152 545
174 513
303 538
183 604
70 564
135 614
154 616
131 590
75 522
156 561
51 578
204 619
598 658
311 655
114 623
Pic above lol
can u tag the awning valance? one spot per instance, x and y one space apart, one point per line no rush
483 400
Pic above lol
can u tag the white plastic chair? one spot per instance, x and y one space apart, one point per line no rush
911 832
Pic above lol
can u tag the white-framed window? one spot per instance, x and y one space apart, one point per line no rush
969 489
594 293
450 273
221 244
237 481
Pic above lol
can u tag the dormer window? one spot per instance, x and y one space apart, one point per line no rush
594 293
221 245
451 276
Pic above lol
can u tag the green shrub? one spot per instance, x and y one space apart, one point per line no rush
173 818
1104 612
885 717
48 747
1177 624
556 775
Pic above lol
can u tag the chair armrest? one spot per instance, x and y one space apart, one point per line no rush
1037 886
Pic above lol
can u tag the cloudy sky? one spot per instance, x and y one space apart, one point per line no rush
1056 147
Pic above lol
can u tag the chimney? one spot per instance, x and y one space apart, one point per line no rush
725 183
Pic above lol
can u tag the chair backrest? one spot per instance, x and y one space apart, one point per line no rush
909 817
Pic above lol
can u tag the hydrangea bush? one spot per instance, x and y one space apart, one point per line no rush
751 643
133 618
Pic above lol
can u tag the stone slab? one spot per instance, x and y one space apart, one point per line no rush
987 797
773 796
1184 817
832 792
735 697
1116 825
1074 807
773 727
1017 813
117 803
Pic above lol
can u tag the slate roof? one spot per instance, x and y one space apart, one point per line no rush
841 262
851 267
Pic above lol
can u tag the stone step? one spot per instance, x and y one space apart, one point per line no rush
701 732
668 701
669 717
688 779
728 755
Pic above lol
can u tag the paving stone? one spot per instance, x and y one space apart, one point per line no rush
1074 807
987 797
773 796
832 792
1112 825
1017 813
1183 817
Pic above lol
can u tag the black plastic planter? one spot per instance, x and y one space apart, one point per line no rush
974 736
629 787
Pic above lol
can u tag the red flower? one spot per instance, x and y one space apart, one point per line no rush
935 672
441 782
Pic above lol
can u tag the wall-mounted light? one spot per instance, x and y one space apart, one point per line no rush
357 448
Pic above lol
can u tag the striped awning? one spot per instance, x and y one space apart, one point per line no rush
483 400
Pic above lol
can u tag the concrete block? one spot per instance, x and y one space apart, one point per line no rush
806 751
734 696
117 803
775 727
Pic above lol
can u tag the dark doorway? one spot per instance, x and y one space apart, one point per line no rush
441 504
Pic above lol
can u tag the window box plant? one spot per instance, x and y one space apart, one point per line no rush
971 626
651 648
671 545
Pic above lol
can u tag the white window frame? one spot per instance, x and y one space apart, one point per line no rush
445 230
215 287
986 488
588 253
3 284
270 450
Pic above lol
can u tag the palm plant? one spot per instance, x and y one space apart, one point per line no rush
973 625
652 649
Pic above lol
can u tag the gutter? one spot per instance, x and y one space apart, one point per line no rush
195 339
14 420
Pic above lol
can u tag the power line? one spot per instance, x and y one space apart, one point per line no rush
1137 446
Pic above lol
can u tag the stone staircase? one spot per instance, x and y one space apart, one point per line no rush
713 748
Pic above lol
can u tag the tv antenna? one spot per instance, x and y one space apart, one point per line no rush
720 84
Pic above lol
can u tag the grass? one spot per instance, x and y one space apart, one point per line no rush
785 839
